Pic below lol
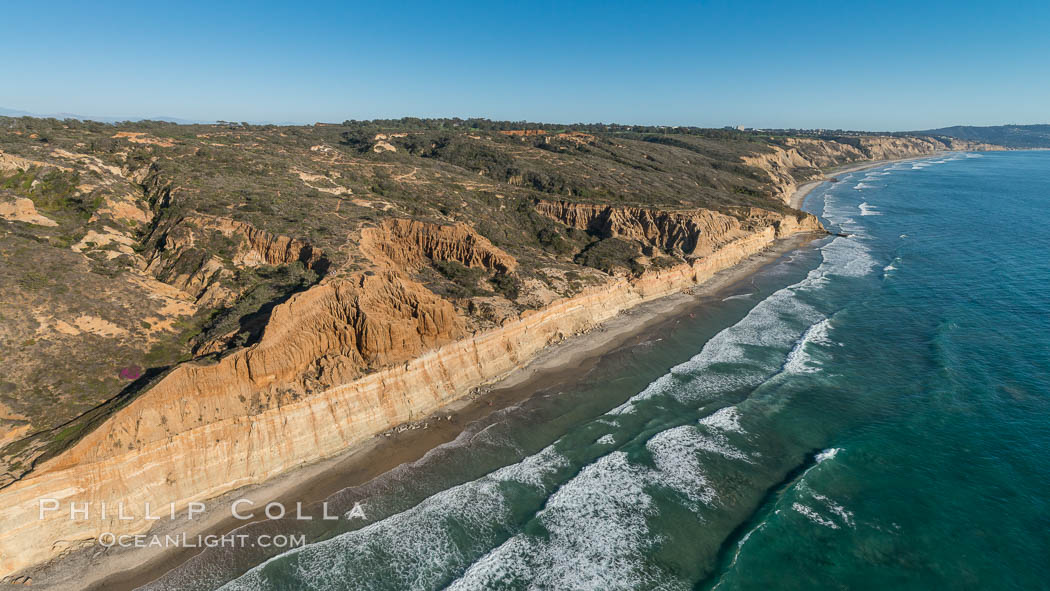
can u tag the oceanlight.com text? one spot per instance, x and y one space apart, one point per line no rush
109 540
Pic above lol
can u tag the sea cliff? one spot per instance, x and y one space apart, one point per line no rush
801 159
400 300
208 429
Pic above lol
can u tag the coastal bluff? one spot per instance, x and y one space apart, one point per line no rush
204 430
206 307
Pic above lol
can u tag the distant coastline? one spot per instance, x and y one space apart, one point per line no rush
798 198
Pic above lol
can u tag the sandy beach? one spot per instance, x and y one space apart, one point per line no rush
798 198
118 569
126 569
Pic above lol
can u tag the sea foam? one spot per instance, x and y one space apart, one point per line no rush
827 454
813 516
596 537
799 360
763 327
868 209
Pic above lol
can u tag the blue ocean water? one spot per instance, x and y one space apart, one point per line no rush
869 412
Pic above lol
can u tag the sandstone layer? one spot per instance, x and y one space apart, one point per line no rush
337 364
407 243
304 361
696 232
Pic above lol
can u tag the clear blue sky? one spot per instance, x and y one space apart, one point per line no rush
860 65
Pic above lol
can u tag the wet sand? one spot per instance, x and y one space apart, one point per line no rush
127 569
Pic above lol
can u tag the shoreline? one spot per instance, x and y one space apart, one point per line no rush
798 198
127 569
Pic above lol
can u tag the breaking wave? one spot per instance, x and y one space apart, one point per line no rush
868 209
799 360
588 529
828 454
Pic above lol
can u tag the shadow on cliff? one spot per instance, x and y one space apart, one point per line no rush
53 442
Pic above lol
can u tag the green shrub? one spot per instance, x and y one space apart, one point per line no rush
464 279
507 285
611 253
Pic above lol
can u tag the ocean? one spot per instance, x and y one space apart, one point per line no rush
868 412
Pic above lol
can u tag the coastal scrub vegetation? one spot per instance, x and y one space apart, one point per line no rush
150 244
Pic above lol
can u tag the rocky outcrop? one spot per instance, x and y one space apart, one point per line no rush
337 364
958 144
11 162
784 225
180 259
690 233
327 335
408 243
261 247
782 166
22 209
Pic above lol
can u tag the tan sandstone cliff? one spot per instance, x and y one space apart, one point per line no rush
695 232
784 163
339 363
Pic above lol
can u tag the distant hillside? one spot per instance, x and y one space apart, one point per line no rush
1011 136
5 112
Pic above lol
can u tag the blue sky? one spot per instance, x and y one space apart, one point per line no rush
858 65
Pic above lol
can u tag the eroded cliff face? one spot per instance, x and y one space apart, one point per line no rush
407 243
690 233
152 244
330 334
800 159
783 225
341 362
183 254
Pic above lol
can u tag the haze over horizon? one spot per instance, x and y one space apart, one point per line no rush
890 67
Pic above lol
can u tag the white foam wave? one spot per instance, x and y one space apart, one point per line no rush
596 538
868 209
765 326
813 516
606 440
841 512
724 419
846 257
828 454
799 360
862 185
420 558
596 524
675 453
